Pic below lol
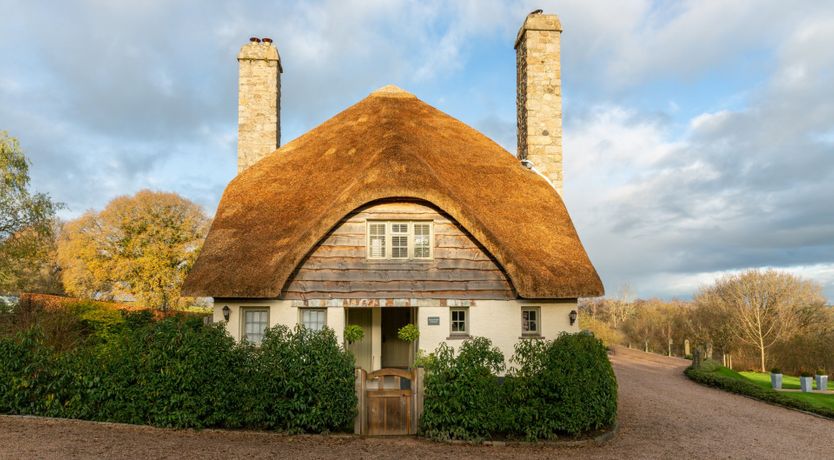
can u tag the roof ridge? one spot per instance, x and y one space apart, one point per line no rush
391 91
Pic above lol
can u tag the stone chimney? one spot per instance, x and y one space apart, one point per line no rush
259 102
539 95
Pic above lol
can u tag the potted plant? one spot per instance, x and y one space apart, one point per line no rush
776 378
805 381
409 333
353 334
822 380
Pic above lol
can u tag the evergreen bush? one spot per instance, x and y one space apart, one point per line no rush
179 372
565 386
461 392
561 387
299 380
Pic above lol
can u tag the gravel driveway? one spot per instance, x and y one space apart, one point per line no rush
662 415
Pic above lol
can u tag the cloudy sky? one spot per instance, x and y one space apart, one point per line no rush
699 135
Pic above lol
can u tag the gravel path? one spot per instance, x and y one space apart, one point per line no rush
662 415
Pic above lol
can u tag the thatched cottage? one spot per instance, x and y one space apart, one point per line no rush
393 212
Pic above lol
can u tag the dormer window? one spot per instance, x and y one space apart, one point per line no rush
398 240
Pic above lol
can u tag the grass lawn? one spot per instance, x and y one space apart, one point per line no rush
788 381
761 379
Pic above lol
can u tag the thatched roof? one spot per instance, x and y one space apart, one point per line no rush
389 145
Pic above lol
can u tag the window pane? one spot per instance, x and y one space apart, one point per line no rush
530 321
421 241
314 319
376 240
399 247
254 326
459 321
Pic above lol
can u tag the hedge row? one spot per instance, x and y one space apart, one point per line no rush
561 387
711 378
180 373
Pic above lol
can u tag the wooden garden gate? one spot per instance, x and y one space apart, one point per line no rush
390 402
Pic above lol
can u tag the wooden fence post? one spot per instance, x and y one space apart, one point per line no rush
359 423
419 387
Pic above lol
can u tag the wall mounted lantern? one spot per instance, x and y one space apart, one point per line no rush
572 317
228 311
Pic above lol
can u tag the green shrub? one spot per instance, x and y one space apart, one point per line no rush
462 395
710 365
178 372
28 378
299 380
748 388
564 386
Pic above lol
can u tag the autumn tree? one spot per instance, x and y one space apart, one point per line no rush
142 246
709 326
763 307
621 308
27 222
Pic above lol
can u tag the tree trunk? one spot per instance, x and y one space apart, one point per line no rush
762 355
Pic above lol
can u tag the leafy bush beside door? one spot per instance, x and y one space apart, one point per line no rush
561 387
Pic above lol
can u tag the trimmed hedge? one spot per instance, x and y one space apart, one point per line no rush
298 381
747 388
561 387
462 396
181 373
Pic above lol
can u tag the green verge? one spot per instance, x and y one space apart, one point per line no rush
788 381
734 382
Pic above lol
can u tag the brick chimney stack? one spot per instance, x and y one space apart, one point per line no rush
259 102
539 95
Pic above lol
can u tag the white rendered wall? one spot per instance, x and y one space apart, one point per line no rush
280 312
497 320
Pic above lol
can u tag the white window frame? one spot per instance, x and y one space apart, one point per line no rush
538 312
413 239
243 312
452 331
301 316
391 234
388 247
368 235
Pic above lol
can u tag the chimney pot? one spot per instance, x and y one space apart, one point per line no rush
254 39
266 40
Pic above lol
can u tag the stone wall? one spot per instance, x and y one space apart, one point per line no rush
259 103
539 95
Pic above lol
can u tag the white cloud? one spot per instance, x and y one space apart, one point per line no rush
111 97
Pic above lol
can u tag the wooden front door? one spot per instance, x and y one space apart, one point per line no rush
390 408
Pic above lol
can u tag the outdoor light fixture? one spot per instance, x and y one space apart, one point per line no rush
228 311
572 317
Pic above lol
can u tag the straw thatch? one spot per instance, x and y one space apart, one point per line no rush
389 145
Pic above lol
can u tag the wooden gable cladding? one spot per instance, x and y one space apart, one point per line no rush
338 267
